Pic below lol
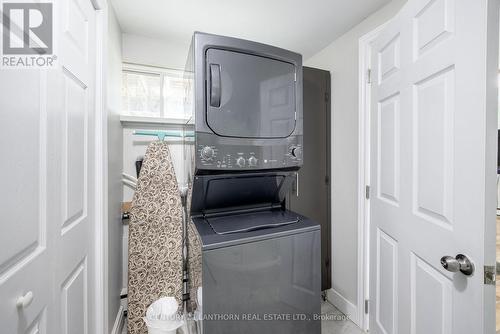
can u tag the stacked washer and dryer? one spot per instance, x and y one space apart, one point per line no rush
253 266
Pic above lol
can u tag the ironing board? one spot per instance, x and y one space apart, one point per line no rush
155 266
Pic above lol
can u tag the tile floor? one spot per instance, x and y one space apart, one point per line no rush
334 322
337 326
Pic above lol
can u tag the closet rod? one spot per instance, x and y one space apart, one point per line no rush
162 134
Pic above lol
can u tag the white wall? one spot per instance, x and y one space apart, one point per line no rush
156 52
115 190
341 59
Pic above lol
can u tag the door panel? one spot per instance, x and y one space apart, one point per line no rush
77 27
75 164
432 299
387 282
433 24
249 96
430 158
39 326
388 150
74 301
433 147
389 62
26 184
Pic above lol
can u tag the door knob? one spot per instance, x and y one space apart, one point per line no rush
25 301
459 263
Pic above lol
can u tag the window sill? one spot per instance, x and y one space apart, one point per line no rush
135 120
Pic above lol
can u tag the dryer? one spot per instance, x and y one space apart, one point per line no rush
247 101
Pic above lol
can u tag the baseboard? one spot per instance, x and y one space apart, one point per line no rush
120 317
343 305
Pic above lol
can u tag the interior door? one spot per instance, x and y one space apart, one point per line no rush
311 197
24 254
74 106
433 123
48 193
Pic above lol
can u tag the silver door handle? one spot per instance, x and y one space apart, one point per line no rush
459 263
297 184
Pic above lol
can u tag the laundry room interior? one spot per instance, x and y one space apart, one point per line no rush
146 89
276 167
148 80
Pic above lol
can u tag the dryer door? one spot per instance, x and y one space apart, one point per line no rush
249 96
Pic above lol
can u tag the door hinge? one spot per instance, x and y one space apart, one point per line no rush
367 192
369 76
367 305
295 76
327 97
491 273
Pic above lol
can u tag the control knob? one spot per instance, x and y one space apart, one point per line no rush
240 162
207 153
252 161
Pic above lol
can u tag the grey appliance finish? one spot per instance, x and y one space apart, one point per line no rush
241 191
261 281
312 195
251 221
262 105
247 104
257 258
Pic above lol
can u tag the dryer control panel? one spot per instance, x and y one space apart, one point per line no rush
222 153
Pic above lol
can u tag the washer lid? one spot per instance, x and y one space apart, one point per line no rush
247 222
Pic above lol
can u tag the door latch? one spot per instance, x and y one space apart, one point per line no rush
491 273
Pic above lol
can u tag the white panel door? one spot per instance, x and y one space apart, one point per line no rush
74 109
24 246
48 193
432 132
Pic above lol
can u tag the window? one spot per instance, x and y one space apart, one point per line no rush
141 94
154 92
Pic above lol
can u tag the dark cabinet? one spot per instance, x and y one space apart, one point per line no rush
310 195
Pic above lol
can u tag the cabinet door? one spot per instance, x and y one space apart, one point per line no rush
311 192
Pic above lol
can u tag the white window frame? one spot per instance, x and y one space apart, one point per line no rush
162 72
